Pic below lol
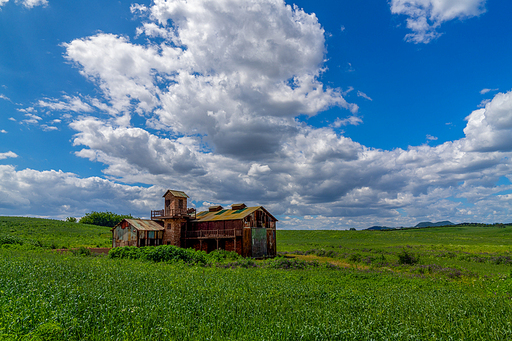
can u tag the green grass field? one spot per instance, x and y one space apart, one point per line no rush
55 234
457 287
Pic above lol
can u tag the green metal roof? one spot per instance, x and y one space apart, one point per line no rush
178 194
228 214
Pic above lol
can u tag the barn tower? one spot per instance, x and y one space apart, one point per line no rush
174 216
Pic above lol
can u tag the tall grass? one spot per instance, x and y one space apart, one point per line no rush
451 284
48 296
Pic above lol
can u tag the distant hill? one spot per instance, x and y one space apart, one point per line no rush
430 224
380 228
420 225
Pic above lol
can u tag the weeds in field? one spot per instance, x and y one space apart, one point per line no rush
11 240
81 251
407 257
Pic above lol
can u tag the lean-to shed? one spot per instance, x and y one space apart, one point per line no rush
137 232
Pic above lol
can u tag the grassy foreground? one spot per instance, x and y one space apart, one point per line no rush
54 297
455 285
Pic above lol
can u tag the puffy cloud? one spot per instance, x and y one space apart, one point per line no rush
226 69
7 155
32 119
33 3
351 120
134 150
314 172
27 3
489 129
425 16
46 127
59 194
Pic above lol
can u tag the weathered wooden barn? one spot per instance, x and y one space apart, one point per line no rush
249 231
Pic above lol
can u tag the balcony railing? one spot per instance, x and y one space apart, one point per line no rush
213 234
173 213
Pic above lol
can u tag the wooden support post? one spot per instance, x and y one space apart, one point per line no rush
217 243
234 243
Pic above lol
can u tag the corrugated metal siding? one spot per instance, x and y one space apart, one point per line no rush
145 225
126 236
225 214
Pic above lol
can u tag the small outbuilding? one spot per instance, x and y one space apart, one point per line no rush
137 232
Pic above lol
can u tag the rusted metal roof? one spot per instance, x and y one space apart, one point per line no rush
145 225
228 214
178 194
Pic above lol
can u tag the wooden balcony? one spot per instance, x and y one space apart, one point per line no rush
213 234
173 213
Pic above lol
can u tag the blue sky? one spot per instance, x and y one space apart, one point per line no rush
331 114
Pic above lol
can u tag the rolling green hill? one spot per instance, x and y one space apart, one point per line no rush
54 234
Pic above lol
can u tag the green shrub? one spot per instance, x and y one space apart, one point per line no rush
218 256
81 251
7 239
126 252
406 257
355 257
162 253
287 263
170 253
50 331
108 219
71 219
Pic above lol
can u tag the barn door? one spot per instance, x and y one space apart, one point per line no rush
259 242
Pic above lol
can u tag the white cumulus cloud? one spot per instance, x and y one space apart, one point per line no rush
7 155
426 16
27 3
60 194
